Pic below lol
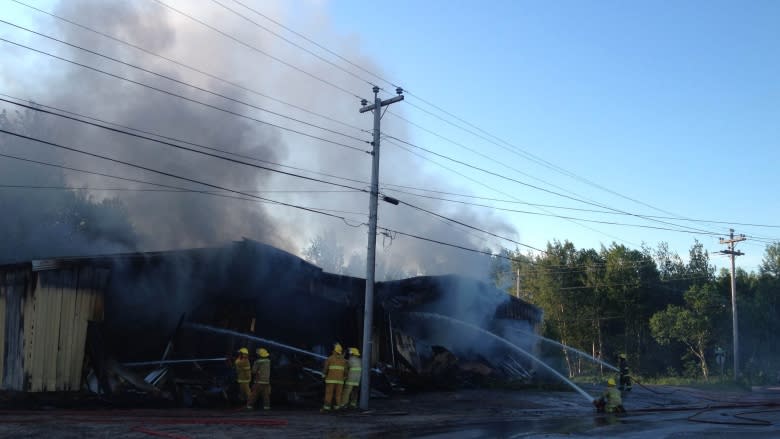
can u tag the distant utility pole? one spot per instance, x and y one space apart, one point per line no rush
368 309
517 284
732 241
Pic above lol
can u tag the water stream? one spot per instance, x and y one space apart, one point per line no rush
207 328
569 348
506 342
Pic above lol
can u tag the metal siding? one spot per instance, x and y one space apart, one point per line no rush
67 319
58 310
15 285
30 327
78 329
2 325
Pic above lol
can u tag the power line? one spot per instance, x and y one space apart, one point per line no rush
614 223
353 74
484 156
189 67
131 189
173 145
165 173
174 139
470 226
514 180
170 93
314 43
254 48
202 89
513 148
481 183
172 79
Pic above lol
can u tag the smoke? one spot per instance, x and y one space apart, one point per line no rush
143 221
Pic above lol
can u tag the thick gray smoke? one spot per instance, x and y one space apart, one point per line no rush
163 220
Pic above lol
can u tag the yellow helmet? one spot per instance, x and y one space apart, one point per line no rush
263 353
337 348
354 351
611 382
623 356
244 351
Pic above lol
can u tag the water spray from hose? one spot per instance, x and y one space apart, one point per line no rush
506 342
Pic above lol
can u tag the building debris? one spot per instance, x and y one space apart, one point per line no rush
113 324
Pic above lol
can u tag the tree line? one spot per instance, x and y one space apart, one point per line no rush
666 315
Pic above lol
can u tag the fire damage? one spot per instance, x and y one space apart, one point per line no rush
166 326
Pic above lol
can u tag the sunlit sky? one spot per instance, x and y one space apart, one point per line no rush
674 104
668 108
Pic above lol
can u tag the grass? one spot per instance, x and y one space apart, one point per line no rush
714 383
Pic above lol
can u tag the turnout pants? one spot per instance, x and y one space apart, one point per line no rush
349 396
332 395
243 391
263 390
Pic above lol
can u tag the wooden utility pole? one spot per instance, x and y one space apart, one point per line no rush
731 242
368 308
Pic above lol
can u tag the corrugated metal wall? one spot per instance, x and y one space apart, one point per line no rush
55 326
14 286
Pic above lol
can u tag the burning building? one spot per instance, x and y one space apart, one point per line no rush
63 319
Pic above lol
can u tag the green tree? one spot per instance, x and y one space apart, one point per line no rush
692 325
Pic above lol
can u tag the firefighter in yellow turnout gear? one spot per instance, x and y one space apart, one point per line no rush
352 381
261 371
334 369
610 401
243 374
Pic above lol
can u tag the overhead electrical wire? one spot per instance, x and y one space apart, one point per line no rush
514 180
304 49
321 58
258 50
174 139
483 184
189 67
163 173
187 84
185 148
170 93
492 138
429 212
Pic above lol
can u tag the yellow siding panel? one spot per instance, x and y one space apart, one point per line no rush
67 322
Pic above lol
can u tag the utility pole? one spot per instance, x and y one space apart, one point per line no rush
517 284
368 309
731 242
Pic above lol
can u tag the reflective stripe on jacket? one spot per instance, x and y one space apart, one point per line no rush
243 371
262 371
334 369
353 377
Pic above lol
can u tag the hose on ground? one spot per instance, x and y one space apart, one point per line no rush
746 420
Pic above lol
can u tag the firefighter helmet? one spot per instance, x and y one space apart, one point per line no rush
263 353
611 382
337 348
354 351
244 351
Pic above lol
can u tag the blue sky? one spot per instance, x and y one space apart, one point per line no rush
675 104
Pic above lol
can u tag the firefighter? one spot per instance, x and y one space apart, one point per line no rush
261 372
243 374
625 378
333 372
610 401
352 380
